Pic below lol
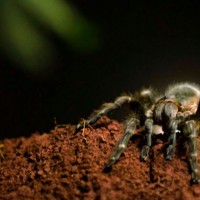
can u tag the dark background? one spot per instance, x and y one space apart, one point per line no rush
139 44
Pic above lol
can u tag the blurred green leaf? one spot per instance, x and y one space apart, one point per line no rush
62 18
29 46
22 41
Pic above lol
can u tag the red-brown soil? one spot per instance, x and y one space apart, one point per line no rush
63 164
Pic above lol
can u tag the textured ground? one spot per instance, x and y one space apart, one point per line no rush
64 165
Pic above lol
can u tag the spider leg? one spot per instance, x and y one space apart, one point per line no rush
172 139
130 127
171 111
105 109
190 132
148 139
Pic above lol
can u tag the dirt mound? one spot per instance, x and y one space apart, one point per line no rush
65 165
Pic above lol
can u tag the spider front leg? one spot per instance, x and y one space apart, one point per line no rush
190 132
172 139
105 109
148 139
171 120
130 126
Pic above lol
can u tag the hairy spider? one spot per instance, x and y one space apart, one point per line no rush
175 112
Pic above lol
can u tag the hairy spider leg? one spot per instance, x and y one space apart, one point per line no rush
190 132
170 112
164 114
172 139
130 126
148 139
148 133
105 109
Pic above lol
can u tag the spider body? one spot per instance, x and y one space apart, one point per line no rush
174 112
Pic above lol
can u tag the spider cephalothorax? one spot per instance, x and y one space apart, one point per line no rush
174 113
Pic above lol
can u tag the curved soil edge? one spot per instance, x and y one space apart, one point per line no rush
65 165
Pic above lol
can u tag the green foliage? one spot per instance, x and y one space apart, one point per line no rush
28 45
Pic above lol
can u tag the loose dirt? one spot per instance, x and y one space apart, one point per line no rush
63 164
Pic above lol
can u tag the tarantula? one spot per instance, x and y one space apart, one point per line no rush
175 112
